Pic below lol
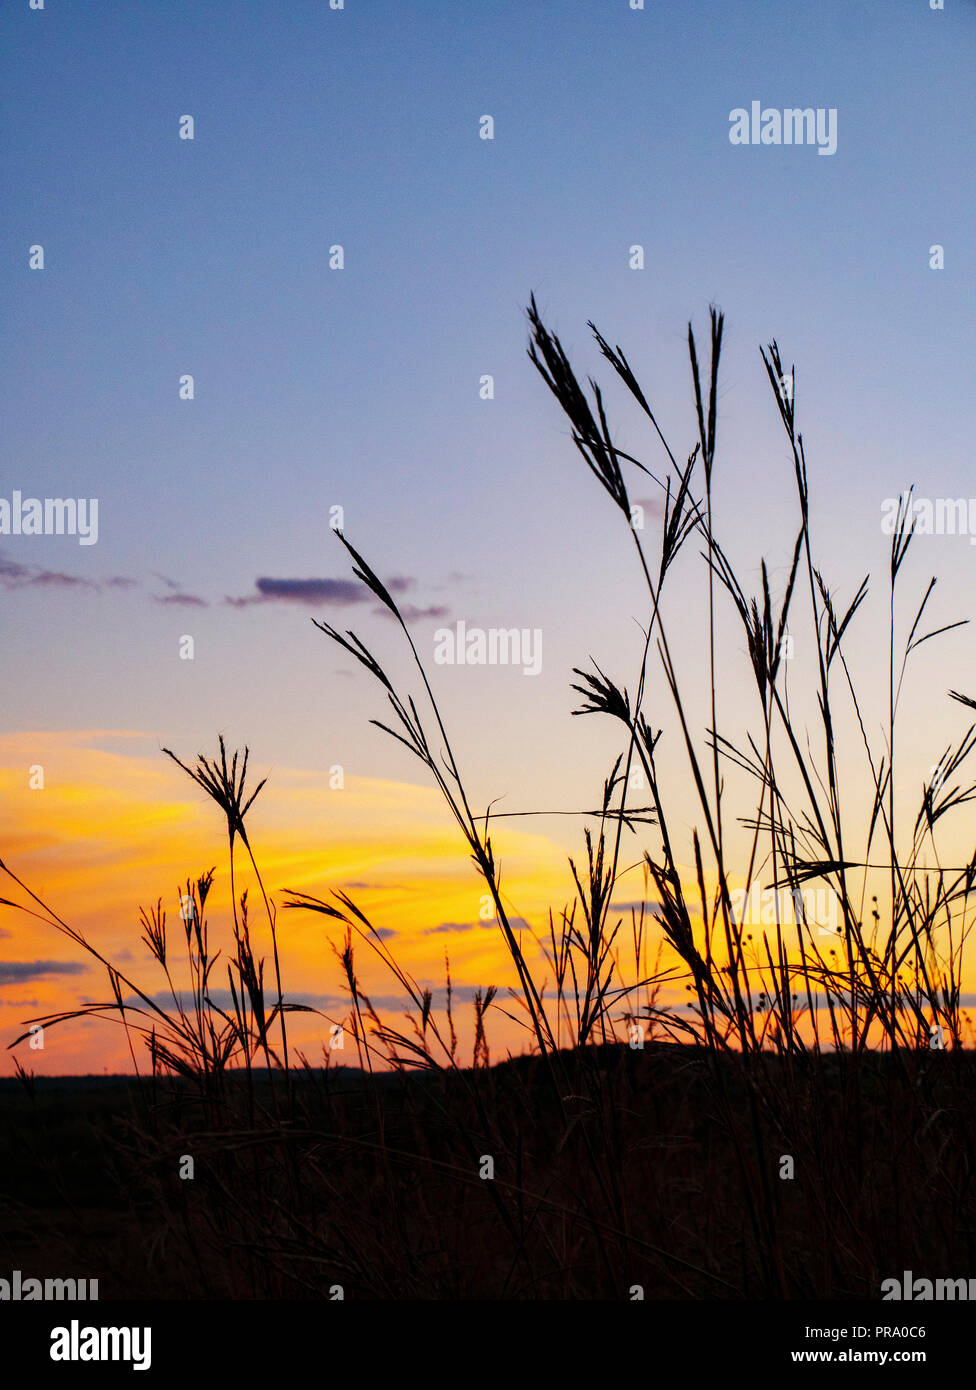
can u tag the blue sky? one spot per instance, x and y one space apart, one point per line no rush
360 387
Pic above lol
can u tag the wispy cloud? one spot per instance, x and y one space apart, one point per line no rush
181 600
18 972
314 592
455 927
410 613
653 506
14 575
327 1002
17 576
377 887
515 922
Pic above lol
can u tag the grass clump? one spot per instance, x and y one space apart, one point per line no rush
635 1135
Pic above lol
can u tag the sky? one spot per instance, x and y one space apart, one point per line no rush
362 387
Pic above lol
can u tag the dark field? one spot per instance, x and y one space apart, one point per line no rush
661 1167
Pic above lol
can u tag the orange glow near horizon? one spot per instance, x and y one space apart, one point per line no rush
116 826
112 832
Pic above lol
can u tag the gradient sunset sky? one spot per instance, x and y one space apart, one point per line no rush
359 388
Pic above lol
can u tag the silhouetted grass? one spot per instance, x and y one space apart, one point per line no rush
803 1129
